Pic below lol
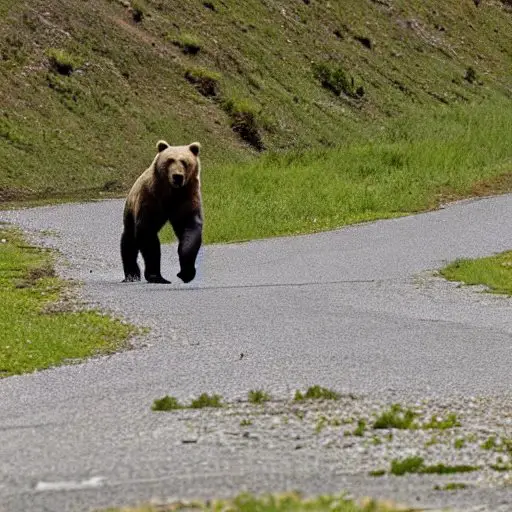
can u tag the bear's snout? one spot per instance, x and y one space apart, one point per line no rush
177 180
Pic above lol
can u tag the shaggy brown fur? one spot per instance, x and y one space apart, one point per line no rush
168 190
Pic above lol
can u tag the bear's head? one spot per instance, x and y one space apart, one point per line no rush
179 165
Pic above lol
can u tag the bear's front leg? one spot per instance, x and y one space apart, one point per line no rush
190 239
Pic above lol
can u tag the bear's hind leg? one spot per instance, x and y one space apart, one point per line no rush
129 253
150 249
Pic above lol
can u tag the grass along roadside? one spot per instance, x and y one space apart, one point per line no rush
494 272
289 502
38 329
408 165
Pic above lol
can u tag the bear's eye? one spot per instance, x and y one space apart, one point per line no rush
184 163
171 161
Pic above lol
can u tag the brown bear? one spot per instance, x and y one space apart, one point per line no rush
169 190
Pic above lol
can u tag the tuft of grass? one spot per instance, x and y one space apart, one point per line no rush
491 443
499 444
451 486
396 417
495 272
206 400
38 327
188 43
416 464
258 396
334 78
288 502
408 465
377 472
360 429
245 422
443 469
205 81
459 443
450 421
245 120
321 424
501 467
316 393
62 62
166 403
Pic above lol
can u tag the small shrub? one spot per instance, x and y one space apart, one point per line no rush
407 465
258 396
317 393
167 403
334 79
188 44
245 121
205 81
396 417
206 400
62 62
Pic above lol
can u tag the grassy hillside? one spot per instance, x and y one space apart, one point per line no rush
87 87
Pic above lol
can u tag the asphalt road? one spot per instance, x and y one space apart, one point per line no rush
355 310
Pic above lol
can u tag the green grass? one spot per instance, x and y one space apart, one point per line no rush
498 444
459 443
289 502
491 443
360 429
412 167
166 403
494 272
426 127
416 464
188 43
407 465
206 400
437 423
258 396
396 417
316 393
37 330
170 403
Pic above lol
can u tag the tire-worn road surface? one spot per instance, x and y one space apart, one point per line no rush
354 310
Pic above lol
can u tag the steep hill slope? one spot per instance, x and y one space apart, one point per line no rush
87 87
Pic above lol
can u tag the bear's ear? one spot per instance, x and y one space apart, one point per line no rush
195 147
161 145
